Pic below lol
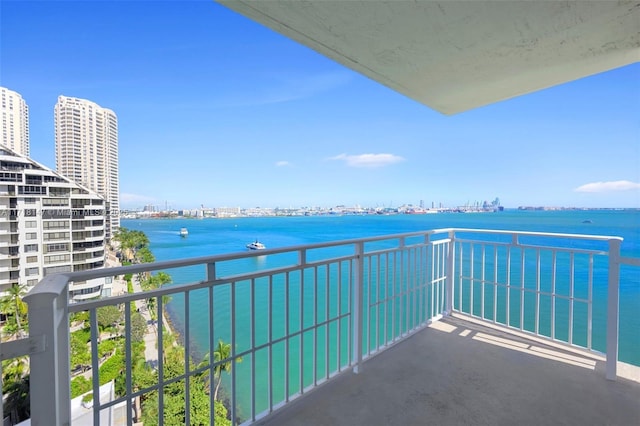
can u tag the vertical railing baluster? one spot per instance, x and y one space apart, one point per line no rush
471 277
357 307
537 311
522 286
339 310
495 284
211 276
253 348
572 278
613 300
160 322
187 378
95 362
287 338
314 368
270 340
234 401
554 272
590 303
327 286
508 289
482 277
127 359
460 275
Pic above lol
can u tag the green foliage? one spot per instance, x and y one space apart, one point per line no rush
173 397
221 353
138 327
155 281
83 334
16 399
80 356
82 316
108 316
112 368
145 256
107 347
131 242
80 385
13 304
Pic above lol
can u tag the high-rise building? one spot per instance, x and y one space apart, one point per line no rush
15 121
87 150
48 224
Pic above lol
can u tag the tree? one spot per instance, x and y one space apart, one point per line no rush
131 241
221 353
108 315
138 327
145 255
13 299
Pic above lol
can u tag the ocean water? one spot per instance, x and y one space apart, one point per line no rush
221 236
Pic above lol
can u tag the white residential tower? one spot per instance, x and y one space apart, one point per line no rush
15 121
87 150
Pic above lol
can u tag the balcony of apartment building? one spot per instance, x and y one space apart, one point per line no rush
451 326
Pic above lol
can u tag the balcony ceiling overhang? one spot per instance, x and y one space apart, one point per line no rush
457 55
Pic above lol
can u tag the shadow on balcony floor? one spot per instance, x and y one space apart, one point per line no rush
457 372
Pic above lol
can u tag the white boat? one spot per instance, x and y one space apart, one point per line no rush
256 245
184 232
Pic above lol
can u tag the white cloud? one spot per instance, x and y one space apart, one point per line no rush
368 160
282 163
618 185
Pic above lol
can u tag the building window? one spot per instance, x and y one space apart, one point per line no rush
32 259
31 283
31 224
57 269
30 248
31 236
32 271
52 248
57 258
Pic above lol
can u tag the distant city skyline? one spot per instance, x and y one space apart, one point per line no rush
217 110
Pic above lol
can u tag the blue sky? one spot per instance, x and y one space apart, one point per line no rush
215 109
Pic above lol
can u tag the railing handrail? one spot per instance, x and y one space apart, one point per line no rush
54 284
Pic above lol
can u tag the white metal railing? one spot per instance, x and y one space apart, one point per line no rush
299 316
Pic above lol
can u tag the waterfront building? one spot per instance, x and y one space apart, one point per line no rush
15 121
86 138
48 224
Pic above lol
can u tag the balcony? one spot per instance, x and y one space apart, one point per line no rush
447 326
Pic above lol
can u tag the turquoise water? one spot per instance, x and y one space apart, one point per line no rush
222 236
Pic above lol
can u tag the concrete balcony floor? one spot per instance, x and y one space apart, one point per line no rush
459 372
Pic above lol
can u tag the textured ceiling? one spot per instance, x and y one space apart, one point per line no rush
456 55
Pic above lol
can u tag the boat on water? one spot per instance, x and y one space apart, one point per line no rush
184 232
256 245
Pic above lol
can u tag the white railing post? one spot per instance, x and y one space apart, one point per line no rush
448 308
358 312
49 369
613 295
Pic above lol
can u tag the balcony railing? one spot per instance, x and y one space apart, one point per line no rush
297 317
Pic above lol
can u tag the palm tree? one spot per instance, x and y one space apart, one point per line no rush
222 353
14 299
